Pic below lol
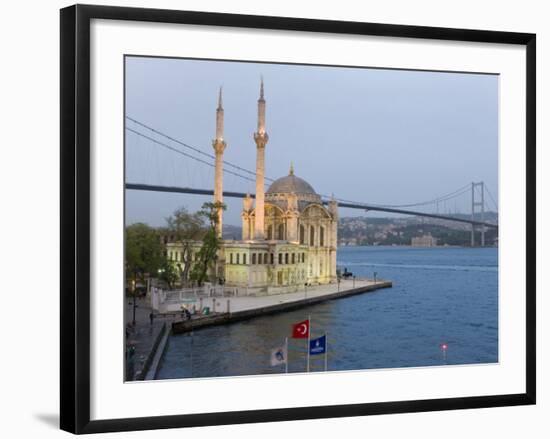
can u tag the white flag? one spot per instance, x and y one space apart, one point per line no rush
278 356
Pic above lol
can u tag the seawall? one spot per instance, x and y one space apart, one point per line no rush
180 327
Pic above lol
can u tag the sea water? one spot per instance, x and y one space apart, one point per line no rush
442 309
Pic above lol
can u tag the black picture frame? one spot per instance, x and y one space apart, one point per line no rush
75 217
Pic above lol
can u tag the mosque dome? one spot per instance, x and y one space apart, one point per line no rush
290 184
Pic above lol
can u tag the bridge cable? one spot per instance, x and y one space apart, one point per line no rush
441 198
197 150
491 196
445 197
485 203
187 155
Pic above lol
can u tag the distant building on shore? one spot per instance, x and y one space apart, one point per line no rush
424 241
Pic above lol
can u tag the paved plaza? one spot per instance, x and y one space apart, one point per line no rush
244 303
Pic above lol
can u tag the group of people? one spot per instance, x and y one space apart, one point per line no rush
187 314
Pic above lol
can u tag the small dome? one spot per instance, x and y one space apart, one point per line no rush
290 184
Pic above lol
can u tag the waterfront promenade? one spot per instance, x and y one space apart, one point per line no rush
225 310
243 303
148 340
143 338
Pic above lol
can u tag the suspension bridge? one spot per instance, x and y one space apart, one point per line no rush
478 192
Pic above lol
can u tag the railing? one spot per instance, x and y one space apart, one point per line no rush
161 300
205 291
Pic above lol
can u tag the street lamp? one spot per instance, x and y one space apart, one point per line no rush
134 304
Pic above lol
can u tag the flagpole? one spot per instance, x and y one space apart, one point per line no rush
286 358
326 350
192 338
308 338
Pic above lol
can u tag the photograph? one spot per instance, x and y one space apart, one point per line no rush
296 218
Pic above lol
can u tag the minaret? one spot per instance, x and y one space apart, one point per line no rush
292 216
219 146
261 138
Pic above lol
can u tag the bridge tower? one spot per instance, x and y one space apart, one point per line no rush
478 203
219 147
261 138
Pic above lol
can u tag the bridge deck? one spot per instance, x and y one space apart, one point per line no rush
229 194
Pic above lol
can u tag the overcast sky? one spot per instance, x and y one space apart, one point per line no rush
369 135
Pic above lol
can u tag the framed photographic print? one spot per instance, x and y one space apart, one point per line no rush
272 218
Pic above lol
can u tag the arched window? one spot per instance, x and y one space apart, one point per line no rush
312 236
269 232
281 232
322 236
302 235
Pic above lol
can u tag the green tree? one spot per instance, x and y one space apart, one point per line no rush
144 251
207 255
168 273
186 227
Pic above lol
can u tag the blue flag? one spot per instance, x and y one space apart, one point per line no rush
318 345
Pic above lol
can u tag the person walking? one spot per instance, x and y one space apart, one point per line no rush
130 363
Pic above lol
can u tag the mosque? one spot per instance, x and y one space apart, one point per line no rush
289 237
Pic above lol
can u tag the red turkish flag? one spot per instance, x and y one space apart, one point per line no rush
301 329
